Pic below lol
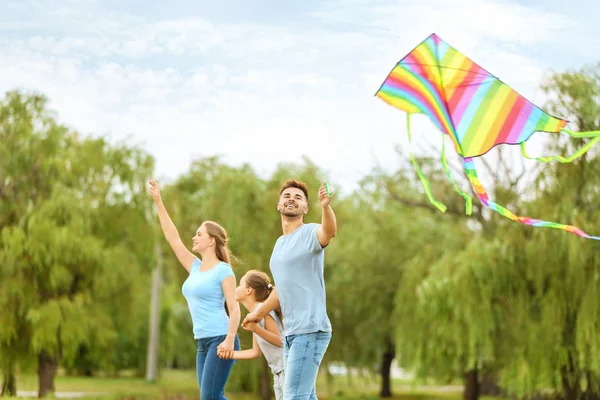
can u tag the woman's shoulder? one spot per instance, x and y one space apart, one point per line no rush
224 265
224 269
196 264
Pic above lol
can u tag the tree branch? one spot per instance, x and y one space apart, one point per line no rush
493 173
502 161
416 204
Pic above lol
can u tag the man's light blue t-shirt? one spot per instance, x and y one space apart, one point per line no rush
297 265
206 300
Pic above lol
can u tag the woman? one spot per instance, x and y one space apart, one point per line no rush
210 283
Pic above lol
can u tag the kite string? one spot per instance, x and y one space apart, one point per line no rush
424 180
584 149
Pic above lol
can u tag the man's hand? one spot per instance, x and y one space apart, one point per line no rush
250 318
250 326
323 198
328 228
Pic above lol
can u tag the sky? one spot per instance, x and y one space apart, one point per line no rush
264 82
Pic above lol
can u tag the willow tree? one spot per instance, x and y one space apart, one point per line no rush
72 244
31 146
561 334
522 301
367 267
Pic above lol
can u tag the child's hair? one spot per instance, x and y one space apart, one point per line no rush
260 282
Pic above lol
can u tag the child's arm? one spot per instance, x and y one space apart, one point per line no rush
249 354
271 334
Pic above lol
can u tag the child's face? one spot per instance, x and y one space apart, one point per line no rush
242 291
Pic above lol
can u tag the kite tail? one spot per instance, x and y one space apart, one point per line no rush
584 149
468 200
483 196
424 180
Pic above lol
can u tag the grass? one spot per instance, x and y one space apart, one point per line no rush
182 385
171 382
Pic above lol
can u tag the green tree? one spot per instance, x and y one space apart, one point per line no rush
30 148
483 224
376 249
559 300
71 243
519 302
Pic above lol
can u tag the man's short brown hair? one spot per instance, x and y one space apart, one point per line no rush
295 184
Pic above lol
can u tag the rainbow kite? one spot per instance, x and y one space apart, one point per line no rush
477 111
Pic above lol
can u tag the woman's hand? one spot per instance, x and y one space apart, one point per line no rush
225 349
154 190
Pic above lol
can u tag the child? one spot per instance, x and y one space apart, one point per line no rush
254 288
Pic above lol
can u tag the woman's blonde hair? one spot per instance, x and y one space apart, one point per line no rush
219 233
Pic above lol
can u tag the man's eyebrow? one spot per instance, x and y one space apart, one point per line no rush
295 194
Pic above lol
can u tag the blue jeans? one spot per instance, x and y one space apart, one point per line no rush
211 370
302 358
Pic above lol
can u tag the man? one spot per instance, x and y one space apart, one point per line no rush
297 265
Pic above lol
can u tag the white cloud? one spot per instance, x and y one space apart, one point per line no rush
258 93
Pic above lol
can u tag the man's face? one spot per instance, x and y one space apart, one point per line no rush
292 203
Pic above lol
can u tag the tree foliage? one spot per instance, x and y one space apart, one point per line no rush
441 294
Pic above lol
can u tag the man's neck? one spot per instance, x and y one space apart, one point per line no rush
289 225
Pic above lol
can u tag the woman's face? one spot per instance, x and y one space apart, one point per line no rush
202 240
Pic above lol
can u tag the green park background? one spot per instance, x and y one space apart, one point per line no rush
423 305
